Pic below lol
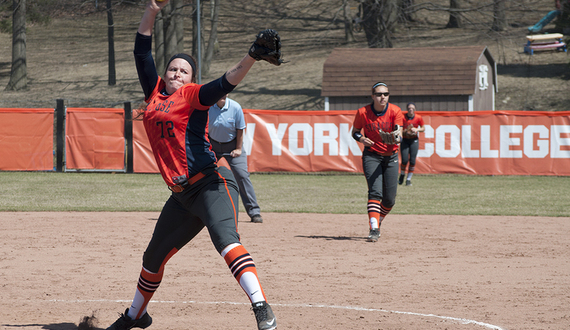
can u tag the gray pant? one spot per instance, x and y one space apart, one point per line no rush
381 174
241 174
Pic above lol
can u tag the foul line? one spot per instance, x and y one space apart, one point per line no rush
449 318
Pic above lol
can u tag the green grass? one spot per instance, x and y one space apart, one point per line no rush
430 194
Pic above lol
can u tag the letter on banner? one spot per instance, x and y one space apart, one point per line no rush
455 138
486 151
429 147
557 142
276 136
347 142
507 141
321 139
248 137
541 142
307 139
466 151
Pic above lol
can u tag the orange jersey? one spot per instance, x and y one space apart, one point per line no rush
177 127
416 122
368 121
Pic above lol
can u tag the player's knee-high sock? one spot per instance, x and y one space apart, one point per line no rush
403 169
243 268
384 212
411 171
374 211
147 285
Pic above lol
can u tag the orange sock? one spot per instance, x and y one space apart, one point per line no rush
240 263
374 208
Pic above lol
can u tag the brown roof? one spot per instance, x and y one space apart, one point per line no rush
407 71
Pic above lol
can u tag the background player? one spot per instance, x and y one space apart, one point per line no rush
413 124
204 193
381 123
226 130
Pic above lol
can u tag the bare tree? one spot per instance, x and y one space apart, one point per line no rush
18 74
348 24
454 16
499 16
213 37
169 33
379 18
111 40
406 13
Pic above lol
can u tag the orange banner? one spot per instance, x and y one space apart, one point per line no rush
495 143
26 139
482 142
95 139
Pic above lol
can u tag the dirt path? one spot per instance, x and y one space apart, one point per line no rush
426 272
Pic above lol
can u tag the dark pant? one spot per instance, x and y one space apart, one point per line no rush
241 174
381 174
409 150
211 202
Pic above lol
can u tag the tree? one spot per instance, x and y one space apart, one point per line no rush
405 8
454 17
111 39
213 37
499 16
379 18
348 24
169 33
18 74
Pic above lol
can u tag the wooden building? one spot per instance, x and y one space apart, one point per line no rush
434 78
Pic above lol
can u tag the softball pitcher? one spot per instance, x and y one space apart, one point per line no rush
381 124
204 192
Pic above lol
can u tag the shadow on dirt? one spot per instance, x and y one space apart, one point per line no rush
535 71
53 326
334 238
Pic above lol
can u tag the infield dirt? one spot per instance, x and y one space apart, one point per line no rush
317 270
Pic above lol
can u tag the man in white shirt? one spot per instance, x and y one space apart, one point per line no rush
226 128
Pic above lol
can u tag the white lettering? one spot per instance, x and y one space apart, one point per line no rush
507 141
486 151
347 142
276 136
466 151
542 143
248 137
330 138
557 142
307 139
429 147
454 139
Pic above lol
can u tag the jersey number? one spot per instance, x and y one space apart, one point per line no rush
166 127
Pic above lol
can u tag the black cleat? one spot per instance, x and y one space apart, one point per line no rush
374 235
401 179
125 322
264 316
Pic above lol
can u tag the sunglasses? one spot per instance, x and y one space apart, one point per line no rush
381 94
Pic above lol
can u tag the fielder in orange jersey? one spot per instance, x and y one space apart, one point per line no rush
204 191
381 122
413 124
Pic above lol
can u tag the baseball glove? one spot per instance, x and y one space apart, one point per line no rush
267 47
390 138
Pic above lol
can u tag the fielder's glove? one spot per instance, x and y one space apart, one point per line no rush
390 138
267 47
